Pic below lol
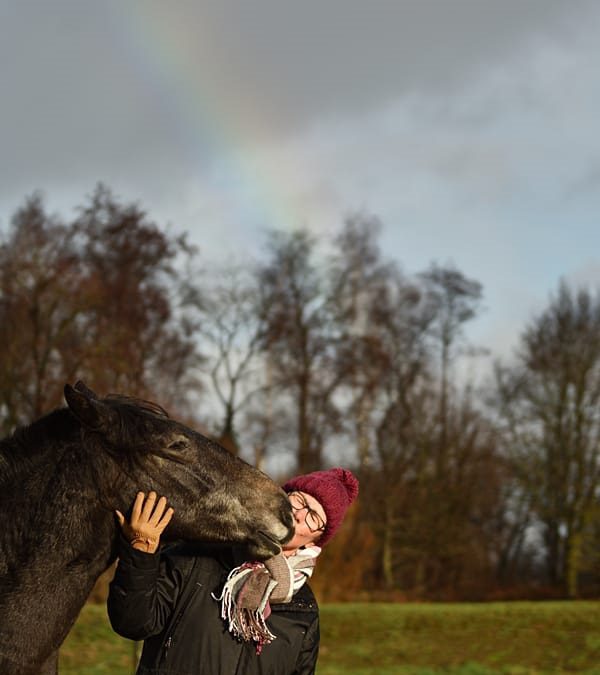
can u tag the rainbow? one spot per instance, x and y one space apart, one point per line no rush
205 120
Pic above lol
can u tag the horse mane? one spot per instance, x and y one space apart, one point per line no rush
20 450
131 414
128 402
29 437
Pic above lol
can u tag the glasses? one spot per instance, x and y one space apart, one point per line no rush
313 520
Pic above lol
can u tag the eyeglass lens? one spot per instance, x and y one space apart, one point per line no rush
313 519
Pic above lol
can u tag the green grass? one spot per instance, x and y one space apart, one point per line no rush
477 639
404 639
92 648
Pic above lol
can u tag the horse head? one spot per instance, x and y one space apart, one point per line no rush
217 497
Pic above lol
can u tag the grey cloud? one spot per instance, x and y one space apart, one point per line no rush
75 103
340 54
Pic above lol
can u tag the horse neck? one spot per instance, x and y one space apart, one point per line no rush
30 447
49 498
57 538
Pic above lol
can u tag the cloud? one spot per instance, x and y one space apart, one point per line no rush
109 90
469 127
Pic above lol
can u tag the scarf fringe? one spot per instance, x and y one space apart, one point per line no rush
249 624
245 624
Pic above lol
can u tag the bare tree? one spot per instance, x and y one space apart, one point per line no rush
435 476
454 300
360 281
383 355
232 334
550 404
300 341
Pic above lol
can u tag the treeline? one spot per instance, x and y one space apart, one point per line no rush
322 350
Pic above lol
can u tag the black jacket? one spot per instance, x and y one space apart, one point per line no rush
166 600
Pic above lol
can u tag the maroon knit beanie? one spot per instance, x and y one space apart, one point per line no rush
335 489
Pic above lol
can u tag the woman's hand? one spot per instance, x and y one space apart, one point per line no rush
148 521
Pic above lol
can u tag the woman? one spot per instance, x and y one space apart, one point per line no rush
207 609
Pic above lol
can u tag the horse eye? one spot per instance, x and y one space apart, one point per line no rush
178 445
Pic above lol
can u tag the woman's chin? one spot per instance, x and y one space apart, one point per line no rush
291 546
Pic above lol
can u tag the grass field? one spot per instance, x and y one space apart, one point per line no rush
384 639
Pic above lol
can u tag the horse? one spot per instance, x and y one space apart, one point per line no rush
63 477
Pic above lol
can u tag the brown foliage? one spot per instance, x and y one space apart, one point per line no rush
347 564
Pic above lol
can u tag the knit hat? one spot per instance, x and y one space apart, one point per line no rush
335 489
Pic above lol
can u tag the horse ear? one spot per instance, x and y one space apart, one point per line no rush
81 387
91 412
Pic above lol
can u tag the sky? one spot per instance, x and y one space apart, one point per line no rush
468 127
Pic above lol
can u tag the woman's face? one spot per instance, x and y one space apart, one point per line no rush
309 521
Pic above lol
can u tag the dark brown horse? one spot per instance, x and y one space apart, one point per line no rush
61 479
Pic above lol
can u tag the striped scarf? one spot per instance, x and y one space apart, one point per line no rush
252 587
